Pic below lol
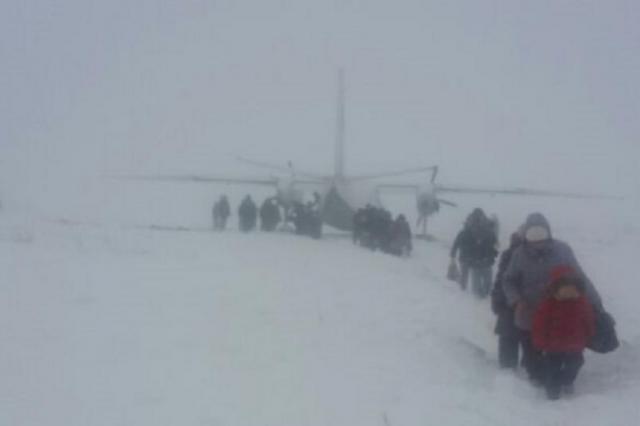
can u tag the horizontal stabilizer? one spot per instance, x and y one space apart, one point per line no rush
282 169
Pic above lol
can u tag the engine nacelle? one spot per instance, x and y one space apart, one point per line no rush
288 194
426 202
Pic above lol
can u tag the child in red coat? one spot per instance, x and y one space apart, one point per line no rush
562 325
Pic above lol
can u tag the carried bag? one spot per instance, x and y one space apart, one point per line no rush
453 273
605 339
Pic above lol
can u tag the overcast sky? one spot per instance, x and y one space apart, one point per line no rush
541 93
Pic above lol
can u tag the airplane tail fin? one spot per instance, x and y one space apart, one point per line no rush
340 127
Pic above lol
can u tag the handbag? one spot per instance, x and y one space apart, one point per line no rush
453 273
605 338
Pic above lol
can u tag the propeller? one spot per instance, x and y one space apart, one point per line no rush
447 202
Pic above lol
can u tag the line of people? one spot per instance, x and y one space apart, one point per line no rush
305 217
375 228
548 311
248 212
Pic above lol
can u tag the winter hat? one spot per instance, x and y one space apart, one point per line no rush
478 213
536 228
475 217
561 271
565 284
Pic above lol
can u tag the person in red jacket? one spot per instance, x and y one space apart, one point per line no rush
562 325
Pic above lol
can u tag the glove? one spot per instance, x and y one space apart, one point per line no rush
518 307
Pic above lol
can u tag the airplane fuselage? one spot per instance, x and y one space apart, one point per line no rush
341 199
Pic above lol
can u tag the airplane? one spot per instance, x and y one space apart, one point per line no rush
340 195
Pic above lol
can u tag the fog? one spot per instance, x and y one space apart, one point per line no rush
542 94
118 310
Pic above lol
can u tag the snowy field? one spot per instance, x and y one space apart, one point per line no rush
120 307
117 325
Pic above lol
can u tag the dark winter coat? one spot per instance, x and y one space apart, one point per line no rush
563 324
400 236
477 246
359 224
505 325
269 215
248 213
224 210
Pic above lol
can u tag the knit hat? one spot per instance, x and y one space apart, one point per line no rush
565 284
561 271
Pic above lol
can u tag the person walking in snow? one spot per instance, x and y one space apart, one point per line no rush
215 215
247 214
476 245
563 324
269 215
314 221
359 226
400 244
525 280
494 225
508 333
221 212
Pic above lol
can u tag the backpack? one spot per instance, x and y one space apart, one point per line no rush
605 338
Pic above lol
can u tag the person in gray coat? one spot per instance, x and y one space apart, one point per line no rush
526 277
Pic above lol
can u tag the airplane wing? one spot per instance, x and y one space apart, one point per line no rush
398 187
258 181
409 187
201 179
432 169
520 191
460 189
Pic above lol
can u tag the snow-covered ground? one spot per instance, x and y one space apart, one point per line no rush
110 325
